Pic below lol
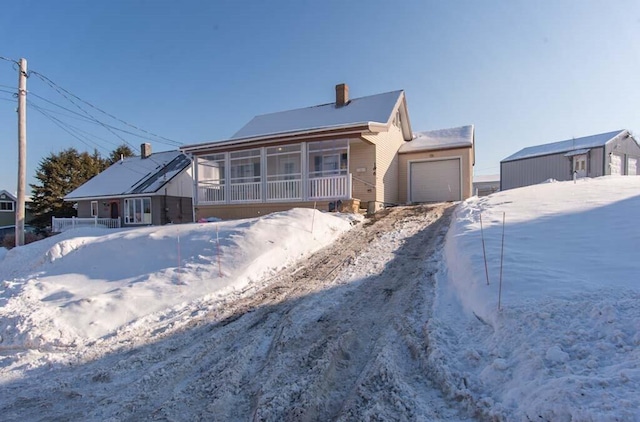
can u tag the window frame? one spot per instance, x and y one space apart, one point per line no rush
140 217
4 202
94 214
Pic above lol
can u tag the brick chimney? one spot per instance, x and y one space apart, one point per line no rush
342 95
145 150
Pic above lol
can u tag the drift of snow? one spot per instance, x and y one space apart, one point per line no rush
565 345
84 284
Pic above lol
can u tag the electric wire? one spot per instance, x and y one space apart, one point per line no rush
8 59
50 82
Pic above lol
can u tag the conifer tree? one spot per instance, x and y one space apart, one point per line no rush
59 174
122 151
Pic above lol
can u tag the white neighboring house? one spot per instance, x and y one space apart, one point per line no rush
150 189
611 153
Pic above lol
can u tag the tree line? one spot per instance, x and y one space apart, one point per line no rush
59 174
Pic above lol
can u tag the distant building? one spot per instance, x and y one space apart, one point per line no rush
612 153
484 185
150 189
7 208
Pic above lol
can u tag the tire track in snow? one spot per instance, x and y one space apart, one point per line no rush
340 339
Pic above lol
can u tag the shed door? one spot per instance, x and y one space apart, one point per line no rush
435 181
580 165
616 165
632 166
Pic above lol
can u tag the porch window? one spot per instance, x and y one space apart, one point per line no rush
94 208
245 176
211 178
137 211
6 206
284 172
329 169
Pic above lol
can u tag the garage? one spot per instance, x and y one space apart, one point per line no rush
435 180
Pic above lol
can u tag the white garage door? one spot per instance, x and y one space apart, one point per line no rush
434 181
632 166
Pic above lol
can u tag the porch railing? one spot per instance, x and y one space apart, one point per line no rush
327 187
330 187
62 224
284 190
245 192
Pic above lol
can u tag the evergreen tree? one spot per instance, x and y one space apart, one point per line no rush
122 151
59 174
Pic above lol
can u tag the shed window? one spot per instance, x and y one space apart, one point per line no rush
6 206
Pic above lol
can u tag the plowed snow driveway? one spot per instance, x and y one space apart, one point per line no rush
339 338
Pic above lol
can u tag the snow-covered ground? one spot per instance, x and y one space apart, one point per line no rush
566 343
84 284
101 318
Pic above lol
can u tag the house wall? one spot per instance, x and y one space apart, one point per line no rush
387 164
625 147
466 164
595 162
8 218
362 156
181 185
531 171
236 211
167 209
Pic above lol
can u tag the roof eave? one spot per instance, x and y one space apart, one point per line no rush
284 136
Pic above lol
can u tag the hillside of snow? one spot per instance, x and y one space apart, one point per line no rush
565 344
84 284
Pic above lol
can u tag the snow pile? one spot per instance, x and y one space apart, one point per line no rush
84 284
566 344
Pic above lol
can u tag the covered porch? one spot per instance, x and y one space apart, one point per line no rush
291 173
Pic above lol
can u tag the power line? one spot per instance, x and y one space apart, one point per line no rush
50 82
89 120
9 60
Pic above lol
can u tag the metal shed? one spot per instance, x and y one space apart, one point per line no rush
611 153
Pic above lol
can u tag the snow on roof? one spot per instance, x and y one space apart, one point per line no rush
564 146
8 194
133 175
440 139
371 109
486 178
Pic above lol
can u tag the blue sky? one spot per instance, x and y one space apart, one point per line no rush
523 72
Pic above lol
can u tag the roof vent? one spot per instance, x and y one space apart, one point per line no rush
342 95
145 150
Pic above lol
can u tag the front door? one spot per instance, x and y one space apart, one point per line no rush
114 210
580 165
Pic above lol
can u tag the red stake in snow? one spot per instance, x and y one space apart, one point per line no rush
484 252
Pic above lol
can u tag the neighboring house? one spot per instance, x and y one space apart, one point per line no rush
7 208
612 153
486 184
343 154
150 189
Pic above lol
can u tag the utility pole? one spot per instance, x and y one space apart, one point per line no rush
22 150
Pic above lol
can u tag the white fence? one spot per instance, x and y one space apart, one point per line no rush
62 224
330 187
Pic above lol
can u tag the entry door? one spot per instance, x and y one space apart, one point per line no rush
580 165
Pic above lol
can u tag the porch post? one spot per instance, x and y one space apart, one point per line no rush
227 178
263 174
196 182
304 170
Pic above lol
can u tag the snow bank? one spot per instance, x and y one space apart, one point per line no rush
565 345
86 283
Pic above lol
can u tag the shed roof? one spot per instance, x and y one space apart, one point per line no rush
133 176
9 195
456 137
585 142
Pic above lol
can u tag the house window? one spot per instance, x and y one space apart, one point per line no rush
284 172
245 175
94 208
328 158
211 178
137 211
6 206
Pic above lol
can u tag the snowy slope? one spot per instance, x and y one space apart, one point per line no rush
566 343
84 284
